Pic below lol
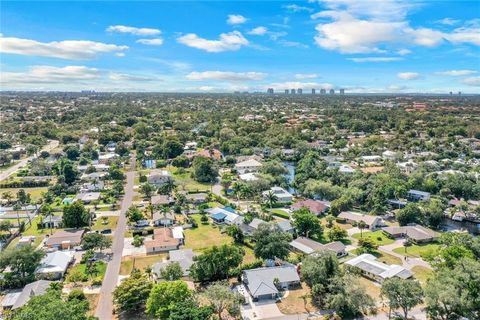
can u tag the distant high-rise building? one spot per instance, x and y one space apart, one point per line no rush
323 91
332 91
270 90
451 93
342 92
292 91
313 91
286 91
299 91
459 93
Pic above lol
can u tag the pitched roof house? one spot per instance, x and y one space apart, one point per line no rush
65 239
260 282
163 240
54 265
415 232
183 256
373 222
18 299
315 206
376 270
309 246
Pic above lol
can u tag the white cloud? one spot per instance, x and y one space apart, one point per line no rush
134 30
236 19
129 77
296 85
456 73
408 75
348 34
404 52
151 42
258 31
431 38
375 59
120 54
447 21
465 35
302 76
49 74
67 49
472 81
231 41
297 8
296 44
426 37
226 76
380 10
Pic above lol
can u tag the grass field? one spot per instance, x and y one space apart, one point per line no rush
418 250
140 263
378 237
35 193
111 223
185 182
422 274
388 258
295 303
205 236
280 213
101 268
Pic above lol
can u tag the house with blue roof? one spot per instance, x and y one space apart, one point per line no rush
225 216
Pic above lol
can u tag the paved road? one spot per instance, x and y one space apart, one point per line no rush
22 163
105 303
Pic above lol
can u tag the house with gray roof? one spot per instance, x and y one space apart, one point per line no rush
184 257
16 300
415 232
309 246
264 283
372 222
54 265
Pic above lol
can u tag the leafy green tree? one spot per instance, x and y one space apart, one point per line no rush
51 306
236 233
133 214
204 170
410 214
271 242
336 233
22 263
271 199
75 215
225 302
92 241
348 298
319 269
366 245
215 263
403 294
164 296
190 310
132 293
172 271
147 189
306 223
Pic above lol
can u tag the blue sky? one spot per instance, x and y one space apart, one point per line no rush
223 46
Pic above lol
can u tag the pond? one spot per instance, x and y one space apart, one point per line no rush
290 175
451 225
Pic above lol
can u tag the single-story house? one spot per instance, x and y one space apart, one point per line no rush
65 239
25 241
162 200
223 215
93 176
283 196
88 197
315 206
54 265
159 177
286 226
248 166
248 177
52 222
255 223
372 222
183 256
260 282
416 195
15 300
416 232
396 204
309 246
376 270
177 233
96 185
197 198
106 158
163 219
162 241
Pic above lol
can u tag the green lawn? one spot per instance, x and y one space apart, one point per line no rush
185 182
418 250
422 274
379 238
111 223
101 268
204 236
280 213
35 193
140 263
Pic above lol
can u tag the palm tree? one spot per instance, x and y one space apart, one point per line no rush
271 199
362 225
17 207
46 212
237 188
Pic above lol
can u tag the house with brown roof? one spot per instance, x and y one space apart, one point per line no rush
309 246
315 206
372 222
65 239
415 232
163 240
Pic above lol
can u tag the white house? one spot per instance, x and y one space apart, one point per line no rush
159 177
376 270
283 196
223 216
54 265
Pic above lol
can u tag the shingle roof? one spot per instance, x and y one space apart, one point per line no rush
260 281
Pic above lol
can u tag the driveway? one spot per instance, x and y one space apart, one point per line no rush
105 302
407 262
52 144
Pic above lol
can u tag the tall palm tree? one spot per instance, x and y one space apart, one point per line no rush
46 212
271 199
237 188
362 225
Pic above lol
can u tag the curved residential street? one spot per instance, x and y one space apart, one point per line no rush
105 301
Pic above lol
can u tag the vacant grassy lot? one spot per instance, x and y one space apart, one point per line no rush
297 301
185 182
128 263
111 223
378 237
101 269
422 274
35 193
416 251
388 258
205 236
280 213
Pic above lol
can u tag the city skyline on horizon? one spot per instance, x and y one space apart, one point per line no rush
389 46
